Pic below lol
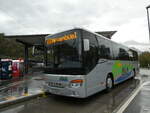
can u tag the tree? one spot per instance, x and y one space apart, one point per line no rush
144 59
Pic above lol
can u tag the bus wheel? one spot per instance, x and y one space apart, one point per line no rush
109 83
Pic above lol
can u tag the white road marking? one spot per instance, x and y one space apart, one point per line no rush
125 105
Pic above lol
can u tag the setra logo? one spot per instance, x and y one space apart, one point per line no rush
63 79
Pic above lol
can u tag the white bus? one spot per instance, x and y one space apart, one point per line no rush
81 63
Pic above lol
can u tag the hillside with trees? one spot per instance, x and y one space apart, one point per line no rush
9 48
144 59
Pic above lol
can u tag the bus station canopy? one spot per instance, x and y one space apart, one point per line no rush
38 39
30 40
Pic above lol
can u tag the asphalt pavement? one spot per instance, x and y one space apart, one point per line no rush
99 103
141 102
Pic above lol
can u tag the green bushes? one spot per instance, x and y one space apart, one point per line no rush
144 59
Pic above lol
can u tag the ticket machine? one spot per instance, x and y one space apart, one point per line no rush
5 69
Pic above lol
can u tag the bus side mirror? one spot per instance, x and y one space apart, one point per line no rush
37 50
86 44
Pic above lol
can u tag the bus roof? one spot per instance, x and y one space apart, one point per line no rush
96 33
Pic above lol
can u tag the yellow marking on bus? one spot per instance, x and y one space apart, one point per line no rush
63 38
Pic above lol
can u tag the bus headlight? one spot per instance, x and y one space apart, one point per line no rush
76 83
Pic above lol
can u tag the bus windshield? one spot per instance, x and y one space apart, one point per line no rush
64 57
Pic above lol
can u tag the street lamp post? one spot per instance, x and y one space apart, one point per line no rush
148 20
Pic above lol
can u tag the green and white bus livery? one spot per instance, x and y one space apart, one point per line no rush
81 63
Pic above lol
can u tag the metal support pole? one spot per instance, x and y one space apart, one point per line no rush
45 56
0 69
26 59
148 20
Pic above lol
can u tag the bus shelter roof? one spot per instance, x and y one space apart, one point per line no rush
30 40
38 39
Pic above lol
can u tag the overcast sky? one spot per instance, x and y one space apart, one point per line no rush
128 17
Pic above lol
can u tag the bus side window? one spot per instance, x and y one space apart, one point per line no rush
135 56
104 52
115 51
131 55
91 56
104 49
123 54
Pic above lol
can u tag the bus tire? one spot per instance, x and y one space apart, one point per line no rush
109 83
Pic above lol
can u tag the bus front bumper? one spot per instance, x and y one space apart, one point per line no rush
65 91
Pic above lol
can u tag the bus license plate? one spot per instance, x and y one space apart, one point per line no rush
55 91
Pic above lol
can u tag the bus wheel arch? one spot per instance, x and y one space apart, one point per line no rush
134 72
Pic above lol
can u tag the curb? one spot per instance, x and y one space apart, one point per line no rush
19 99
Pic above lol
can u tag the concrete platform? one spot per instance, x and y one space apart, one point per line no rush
21 89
